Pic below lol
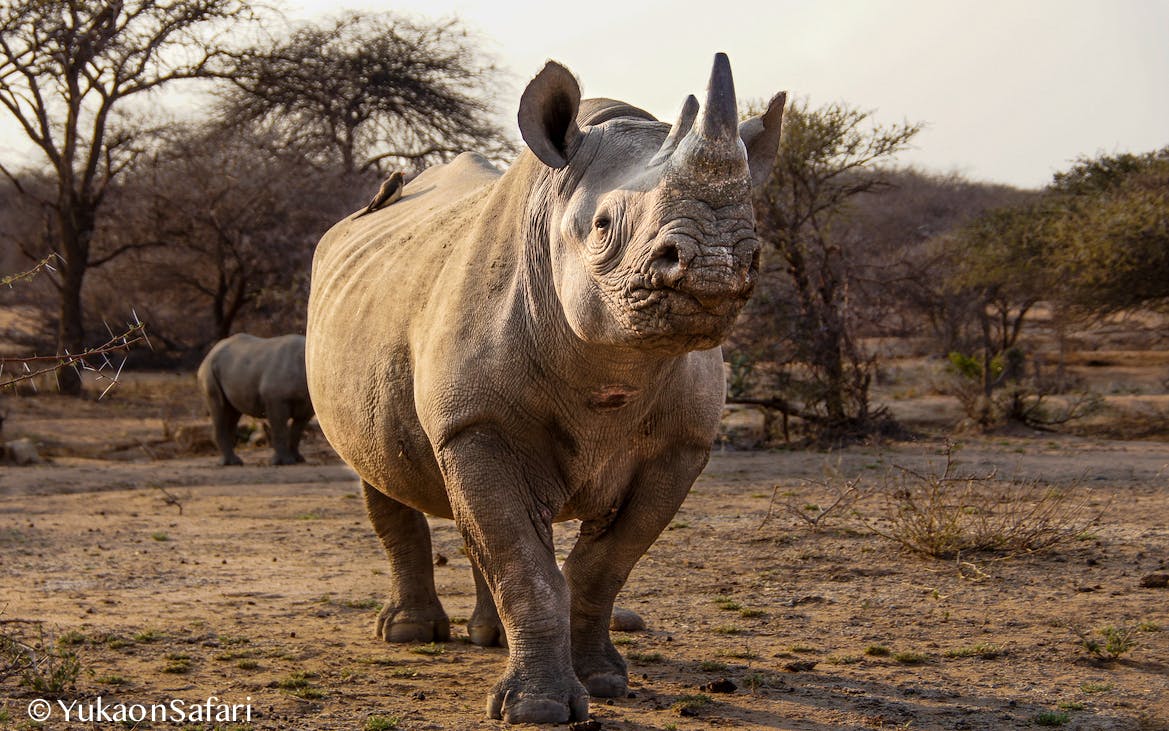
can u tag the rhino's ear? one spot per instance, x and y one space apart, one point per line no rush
548 114
760 135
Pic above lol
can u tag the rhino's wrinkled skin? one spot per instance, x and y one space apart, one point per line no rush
513 350
260 377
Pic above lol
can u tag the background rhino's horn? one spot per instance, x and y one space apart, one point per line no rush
680 129
720 114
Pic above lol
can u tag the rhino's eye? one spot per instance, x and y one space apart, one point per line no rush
602 223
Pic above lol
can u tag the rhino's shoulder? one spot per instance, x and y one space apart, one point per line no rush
433 192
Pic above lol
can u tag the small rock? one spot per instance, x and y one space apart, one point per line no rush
590 725
418 695
800 666
20 452
440 560
626 620
722 685
1155 581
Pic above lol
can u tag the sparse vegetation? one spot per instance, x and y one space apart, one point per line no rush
947 514
42 665
177 664
1052 718
756 680
381 723
300 685
1109 643
691 705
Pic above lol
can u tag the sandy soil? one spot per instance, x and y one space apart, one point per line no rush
171 577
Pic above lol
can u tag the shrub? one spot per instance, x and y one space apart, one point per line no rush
947 514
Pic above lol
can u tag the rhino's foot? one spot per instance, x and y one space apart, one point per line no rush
558 702
395 624
231 461
283 459
485 629
603 673
487 634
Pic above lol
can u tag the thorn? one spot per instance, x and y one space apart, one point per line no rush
107 389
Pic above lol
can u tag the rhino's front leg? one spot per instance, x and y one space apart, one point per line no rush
604 555
500 496
412 612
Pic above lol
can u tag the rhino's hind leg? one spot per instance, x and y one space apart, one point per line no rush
485 628
412 612
224 421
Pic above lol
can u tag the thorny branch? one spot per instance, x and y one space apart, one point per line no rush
46 263
96 360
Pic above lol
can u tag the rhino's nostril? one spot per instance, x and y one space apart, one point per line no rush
667 264
669 255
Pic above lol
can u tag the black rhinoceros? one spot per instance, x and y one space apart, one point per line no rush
514 349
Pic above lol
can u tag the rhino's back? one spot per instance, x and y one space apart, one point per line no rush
250 369
373 277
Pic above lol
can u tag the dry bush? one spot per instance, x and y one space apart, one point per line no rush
947 514
839 497
45 666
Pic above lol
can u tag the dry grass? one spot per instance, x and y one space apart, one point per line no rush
945 514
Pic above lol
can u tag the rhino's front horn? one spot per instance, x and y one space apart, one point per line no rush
720 114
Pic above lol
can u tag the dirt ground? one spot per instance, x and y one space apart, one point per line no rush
173 578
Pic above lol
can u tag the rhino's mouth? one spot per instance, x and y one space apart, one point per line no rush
663 312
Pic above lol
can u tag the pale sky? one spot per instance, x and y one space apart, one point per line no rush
1010 90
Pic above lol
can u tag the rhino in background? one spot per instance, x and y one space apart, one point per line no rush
509 350
260 377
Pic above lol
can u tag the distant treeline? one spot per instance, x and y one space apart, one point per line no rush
206 225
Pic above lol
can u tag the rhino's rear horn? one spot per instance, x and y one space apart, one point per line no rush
680 129
720 113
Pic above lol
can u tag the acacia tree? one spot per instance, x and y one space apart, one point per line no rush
235 219
828 157
1005 266
1113 230
372 90
68 69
